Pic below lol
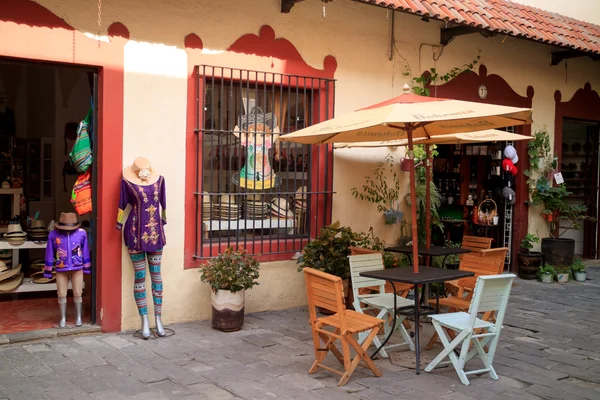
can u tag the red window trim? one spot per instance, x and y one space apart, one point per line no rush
264 44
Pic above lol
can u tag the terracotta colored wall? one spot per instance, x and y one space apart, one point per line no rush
357 35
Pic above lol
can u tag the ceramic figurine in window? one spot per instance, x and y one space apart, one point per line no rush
258 132
144 190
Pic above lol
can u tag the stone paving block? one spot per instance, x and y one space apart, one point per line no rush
126 385
116 341
22 389
529 359
249 390
81 357
89 384
70 393
170 388
177 374
106 372
300 381
150 396
10 375
108 395
375 394
260 341
210 391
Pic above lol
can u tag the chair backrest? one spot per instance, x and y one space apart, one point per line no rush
365 263
475 243
491 294
354 251
479 265
498 253
323 290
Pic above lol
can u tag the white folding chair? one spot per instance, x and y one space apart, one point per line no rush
384 302
491 293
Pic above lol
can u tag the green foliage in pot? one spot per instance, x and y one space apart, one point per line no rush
451 259
232 270
563 269
528 241
379 191
329 251
547 269
577 266
543 192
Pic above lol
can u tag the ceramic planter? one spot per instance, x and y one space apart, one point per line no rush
580 276
393 217
562 278
228 310
529 264
546 278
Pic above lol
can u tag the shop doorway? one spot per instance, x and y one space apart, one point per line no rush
41 105
579 166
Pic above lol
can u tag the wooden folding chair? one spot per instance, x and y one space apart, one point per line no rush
489 263
491 295
476 243
381 302
452 286
325 291
402 289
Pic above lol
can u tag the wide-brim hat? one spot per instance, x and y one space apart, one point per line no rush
12 228
37 224
280 202
9 273
67 222
3 266
13 235
11 284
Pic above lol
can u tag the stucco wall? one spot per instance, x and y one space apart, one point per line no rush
357 35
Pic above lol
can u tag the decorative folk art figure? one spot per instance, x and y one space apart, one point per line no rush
258 132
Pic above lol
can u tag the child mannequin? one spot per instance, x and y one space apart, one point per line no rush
67 253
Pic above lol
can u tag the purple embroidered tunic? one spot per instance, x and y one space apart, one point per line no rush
67 251
144 227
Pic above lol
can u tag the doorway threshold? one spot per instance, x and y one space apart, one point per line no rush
42 334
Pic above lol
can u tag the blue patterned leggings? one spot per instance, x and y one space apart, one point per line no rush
139 284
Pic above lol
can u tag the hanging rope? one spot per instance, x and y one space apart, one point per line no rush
99 20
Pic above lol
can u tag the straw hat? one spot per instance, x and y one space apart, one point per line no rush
228 199
301 193
11 284
38 224
9 273
67 222
14 228
3 266
281 203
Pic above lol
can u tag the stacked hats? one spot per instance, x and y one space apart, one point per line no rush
15 234
6 257
255 208
301 200
280 208
206 209
227 209
38 232
10 279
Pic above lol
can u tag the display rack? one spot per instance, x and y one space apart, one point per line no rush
15 204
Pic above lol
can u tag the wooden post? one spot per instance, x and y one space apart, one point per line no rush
413 202
427 196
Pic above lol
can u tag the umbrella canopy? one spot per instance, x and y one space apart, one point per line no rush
490 135
411 116
423 116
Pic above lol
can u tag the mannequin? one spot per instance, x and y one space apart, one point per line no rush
67 253
144 190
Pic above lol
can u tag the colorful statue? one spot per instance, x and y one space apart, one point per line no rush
258 132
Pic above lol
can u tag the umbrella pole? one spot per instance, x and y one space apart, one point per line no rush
413 202
427 196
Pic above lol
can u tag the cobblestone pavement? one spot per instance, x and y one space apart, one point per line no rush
550 349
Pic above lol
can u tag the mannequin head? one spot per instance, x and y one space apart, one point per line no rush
140 172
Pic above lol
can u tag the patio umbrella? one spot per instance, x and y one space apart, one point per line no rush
410 116
489 135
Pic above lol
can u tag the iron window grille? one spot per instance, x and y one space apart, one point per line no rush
251 189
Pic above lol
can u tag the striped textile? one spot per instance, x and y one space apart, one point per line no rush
138 258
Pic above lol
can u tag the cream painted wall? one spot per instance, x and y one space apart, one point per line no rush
585 10
357 35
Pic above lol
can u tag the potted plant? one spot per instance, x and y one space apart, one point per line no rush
378 191
553 200
329 252
578 269
529 261
562 273
546 273
230 274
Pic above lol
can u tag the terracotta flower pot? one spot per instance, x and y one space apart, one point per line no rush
228 310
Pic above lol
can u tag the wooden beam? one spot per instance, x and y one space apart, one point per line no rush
558 56
448 34
287 5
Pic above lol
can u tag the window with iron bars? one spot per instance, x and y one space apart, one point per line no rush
253 190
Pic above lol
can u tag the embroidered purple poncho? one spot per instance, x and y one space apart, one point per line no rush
144 227
67 251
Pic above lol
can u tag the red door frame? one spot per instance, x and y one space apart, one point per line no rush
36 34
584 105
466 87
